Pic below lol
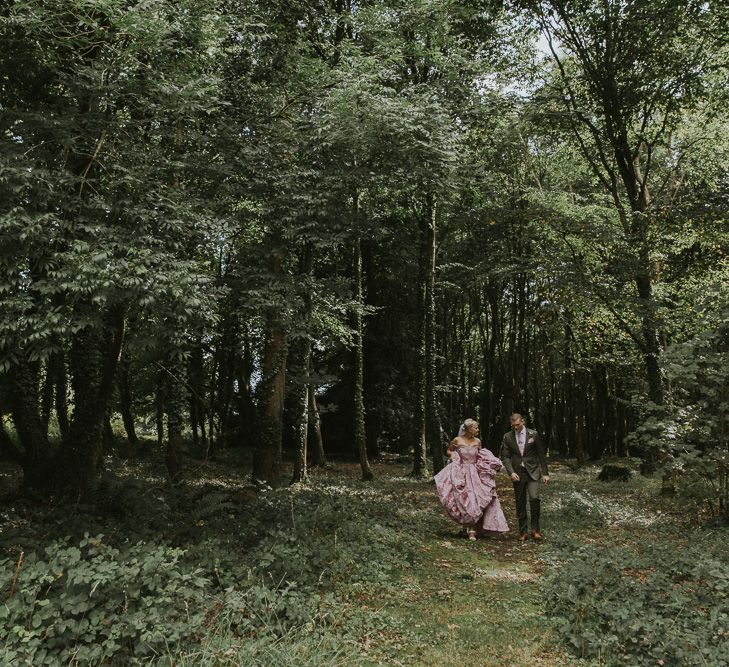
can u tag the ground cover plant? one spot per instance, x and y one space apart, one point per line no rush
335 572
340 572
632 579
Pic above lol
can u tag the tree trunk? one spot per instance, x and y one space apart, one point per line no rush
47 394
24 400
159 404
420 466
125 399
212 400
8 450
652 342
107 433
318 456
225 356
497 412
300 404
300 358
175 401
621 418
371 369
247 406
94 358
360 437
271 390
578 401
432 418
604 409
61 394
196 383
539 419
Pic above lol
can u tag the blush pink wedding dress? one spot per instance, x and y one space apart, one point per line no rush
467 489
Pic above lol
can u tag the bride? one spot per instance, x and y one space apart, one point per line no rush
467 488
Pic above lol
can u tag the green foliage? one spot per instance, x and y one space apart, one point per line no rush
301 554
268 581
105 226
321 540
657 602
87 603
691 433
295 648
580 512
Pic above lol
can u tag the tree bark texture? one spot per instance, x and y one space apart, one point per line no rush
300 405
125 398
175 402
432 416
360 437
94 357
420 443
318 457
300 376
271 392
24 400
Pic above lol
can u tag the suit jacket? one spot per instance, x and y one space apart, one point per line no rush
533 459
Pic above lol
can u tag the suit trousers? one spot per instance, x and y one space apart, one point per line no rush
526 486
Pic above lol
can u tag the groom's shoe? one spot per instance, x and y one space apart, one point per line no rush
523 537
536 535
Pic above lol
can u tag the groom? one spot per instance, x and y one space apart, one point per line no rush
523 457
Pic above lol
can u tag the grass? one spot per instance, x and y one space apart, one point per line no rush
396 582
460 602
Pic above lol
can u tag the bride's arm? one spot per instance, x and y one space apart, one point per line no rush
452 447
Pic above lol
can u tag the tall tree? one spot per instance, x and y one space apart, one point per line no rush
626 72
86 205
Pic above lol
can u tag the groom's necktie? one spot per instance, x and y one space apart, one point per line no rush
520 439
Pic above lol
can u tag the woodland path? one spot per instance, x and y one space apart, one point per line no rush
465 603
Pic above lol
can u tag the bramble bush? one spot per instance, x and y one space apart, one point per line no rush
260 584
91 603
640 606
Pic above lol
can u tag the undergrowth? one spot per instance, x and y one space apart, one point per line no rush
344 573
630 583
215 579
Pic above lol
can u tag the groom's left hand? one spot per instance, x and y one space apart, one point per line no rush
545 479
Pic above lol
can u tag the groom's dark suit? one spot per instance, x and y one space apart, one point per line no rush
530 467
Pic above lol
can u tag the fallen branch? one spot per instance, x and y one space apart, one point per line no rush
21 558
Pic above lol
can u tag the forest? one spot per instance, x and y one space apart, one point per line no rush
260 259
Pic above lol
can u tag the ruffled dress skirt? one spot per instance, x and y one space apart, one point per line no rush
467 490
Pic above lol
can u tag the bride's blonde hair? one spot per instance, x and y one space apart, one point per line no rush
467 424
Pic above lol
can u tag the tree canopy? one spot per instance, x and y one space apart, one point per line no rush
230 221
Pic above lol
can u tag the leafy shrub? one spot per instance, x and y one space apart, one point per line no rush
81 605
642 607
274 578
691 432
282 601
326 538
